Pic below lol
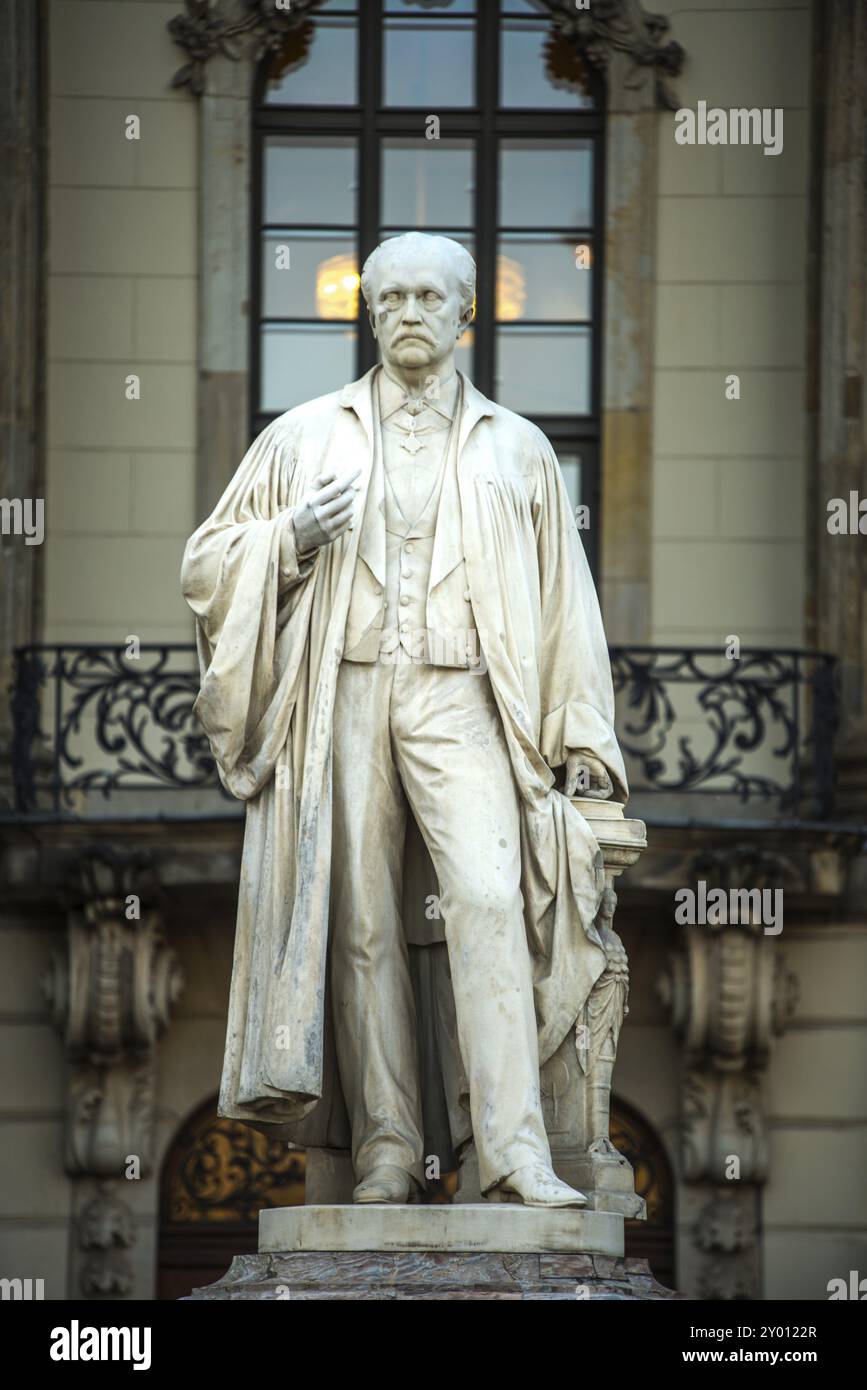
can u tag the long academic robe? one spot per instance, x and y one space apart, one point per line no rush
269 649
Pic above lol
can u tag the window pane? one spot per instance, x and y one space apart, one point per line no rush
430 8
309 275
540 67
546 183
304 361
541 277
570 467
428 183
310 181
317 65
429 65
544 371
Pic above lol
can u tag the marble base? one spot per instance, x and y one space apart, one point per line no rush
427 1275
487 1251
462 1228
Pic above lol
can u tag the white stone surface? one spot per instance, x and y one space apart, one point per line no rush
487 1226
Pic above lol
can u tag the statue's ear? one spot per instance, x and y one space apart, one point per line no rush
465 321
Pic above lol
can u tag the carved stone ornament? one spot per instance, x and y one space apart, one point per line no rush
111 993
238 29
726 1234
607 27
247 29
106 1230
576 1082
729 994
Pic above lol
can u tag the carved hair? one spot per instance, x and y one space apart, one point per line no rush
464 265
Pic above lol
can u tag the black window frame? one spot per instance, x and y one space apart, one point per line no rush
486 124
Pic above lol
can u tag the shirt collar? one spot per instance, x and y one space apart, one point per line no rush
392 396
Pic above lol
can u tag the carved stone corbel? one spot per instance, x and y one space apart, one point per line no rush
111 991
726 1234
106 1230
728 993
608 30
242 30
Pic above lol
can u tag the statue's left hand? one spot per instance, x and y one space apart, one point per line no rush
600 785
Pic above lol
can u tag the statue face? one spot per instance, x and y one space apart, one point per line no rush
416 308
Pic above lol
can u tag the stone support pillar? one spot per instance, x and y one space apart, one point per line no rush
22 334
728 993
838 367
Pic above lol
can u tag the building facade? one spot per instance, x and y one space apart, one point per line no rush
190 194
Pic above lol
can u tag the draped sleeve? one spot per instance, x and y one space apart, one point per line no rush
577 696
251 620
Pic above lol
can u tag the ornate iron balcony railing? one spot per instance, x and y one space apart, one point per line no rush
99 734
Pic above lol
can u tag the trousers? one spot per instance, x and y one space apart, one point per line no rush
428 740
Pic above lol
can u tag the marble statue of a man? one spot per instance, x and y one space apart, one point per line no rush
395 618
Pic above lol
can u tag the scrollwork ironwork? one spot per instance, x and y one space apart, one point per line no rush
750 704
136 710
127 724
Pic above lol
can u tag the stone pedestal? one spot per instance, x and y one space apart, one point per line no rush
494 1249
471 1251
576 1081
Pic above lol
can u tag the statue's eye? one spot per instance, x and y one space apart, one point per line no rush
391 299
431 297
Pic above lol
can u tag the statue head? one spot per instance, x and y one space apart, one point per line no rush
419 291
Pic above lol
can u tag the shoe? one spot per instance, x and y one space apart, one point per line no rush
539 1186
386 1183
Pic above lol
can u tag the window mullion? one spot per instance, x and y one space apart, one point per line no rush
487 80
370 89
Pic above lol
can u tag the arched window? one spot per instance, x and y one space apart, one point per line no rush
469 118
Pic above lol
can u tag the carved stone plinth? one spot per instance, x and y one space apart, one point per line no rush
465 1228
436 1252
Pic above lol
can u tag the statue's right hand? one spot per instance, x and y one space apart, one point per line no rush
324 513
